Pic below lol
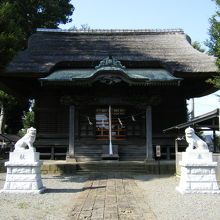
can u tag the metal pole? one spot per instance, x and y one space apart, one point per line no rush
110 131
149 147
71 131
193 109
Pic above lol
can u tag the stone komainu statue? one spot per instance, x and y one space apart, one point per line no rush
194 142
27 140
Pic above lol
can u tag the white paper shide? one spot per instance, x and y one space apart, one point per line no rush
197 167
23 167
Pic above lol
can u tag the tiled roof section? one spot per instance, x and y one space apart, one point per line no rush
170 48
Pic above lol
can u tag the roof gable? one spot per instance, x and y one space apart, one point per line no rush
110 71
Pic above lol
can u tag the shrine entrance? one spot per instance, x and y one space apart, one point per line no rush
111 123
109 126
110 106
110 129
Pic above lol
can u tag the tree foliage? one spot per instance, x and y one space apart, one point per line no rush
197 46
214 32
214 41
83 27
13 109
18 20
27 121
11 36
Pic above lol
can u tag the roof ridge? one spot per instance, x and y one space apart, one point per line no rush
174 30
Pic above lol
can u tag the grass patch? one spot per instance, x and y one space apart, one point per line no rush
22 205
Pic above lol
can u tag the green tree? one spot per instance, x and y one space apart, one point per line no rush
18 20
214 41
197 46
214 32
27 121
11 110
11 34
83 27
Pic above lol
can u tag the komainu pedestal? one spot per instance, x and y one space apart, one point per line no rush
197 167
23 173
198 173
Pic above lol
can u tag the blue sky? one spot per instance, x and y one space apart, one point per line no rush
190 15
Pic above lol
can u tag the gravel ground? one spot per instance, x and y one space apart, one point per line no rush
168 204
60 196
55 204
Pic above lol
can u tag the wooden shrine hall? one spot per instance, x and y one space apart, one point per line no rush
108 94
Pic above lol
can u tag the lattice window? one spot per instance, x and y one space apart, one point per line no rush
118 123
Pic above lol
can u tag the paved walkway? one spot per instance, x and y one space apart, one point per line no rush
111 196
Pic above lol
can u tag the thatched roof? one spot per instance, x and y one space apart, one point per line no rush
168 48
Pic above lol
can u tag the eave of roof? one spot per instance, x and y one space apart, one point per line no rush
210 115
134 76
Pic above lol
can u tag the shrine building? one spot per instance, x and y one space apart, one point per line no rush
108 93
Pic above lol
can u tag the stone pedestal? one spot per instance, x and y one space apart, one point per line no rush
198 173
107 156
23 173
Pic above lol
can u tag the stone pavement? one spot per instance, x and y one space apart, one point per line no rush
111 196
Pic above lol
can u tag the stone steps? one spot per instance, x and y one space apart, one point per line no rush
63 167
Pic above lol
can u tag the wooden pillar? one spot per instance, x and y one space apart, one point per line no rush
71 151
176 146
219 119
214 141
149 147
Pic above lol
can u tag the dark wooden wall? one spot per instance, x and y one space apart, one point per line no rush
52 122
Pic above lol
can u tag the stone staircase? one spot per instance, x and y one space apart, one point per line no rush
149 167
